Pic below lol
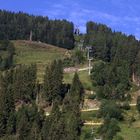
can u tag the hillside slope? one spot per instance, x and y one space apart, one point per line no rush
27 52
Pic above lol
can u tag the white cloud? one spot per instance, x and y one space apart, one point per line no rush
79 14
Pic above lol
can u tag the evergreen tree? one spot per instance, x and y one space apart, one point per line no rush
6 100
24 85
65 123
34 132
109 129
136 70
138 104
7 51
11 124
71 109
51 128
53 81
112 80
14 26
110 109
23 126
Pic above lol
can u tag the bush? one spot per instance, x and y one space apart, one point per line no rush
132 119
92 96
118 137
109 129
110 109
126 106
68 62
78 57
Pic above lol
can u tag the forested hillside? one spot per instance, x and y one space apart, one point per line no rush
40 100
22 117
118 50
14 26
7 51
114 75
109 45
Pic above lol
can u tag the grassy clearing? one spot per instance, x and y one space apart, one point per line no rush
42 54
89 132
84 77
33 52
86 133
89 116
39 53
130 130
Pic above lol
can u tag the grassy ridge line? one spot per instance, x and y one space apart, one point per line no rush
35 44
33 52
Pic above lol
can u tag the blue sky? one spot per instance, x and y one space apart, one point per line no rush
120 15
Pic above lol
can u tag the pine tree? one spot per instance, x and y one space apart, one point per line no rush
77 90
109 129
11 124
53 81
48 84
51 127
14 26
138 104
71 109
57 78
23 125
34 132
24 85
6 100
65 124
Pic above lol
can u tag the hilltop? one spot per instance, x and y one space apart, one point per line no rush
36 52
